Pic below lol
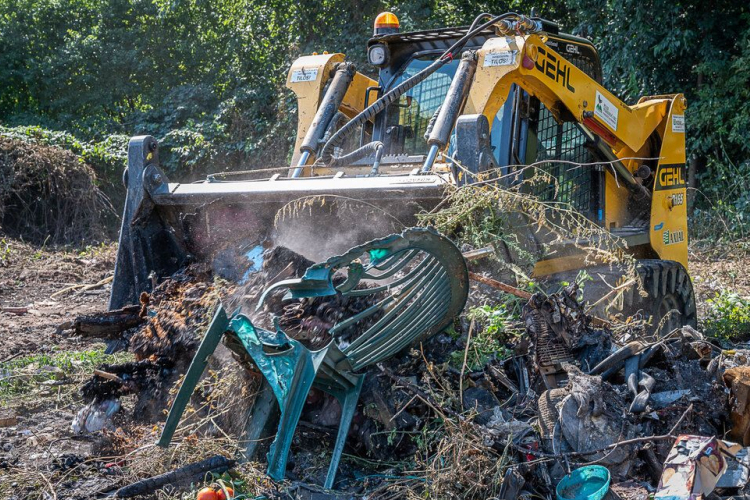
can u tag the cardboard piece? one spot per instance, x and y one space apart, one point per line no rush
693 468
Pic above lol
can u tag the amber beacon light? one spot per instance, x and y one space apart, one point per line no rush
386 23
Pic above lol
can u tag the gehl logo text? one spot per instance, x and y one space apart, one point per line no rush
670 176
554 69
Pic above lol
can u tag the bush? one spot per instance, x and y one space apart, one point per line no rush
49 195
107 157
728 316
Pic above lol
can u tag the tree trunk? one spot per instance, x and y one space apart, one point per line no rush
697 164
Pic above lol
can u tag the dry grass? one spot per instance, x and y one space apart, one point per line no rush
487 212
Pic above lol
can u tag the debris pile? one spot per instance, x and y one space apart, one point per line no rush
47 195
163 333
568 407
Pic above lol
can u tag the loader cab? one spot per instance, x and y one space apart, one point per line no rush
523 131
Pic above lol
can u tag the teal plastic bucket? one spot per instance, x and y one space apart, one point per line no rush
587 483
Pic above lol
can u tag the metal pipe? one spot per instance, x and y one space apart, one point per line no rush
378 156
300 164
430 158
451 107
328 108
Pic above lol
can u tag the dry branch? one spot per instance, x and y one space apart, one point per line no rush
15 310
500 286
108 325
82 287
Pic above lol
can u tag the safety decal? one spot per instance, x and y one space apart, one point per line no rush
506 58
673 237
606 111
678 124
304 75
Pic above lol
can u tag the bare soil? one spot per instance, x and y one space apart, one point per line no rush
36 278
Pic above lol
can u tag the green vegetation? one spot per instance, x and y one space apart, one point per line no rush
5 252
22 375
495 327
208 78
728 316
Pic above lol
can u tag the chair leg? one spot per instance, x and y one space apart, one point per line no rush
291 410
348 407
219 325
264 406
290 374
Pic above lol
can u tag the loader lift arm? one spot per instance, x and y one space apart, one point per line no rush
565 90
652 128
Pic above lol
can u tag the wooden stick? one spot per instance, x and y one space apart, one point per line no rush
478 253
82 287
108 376
13 356
463 365
612 292
500 286
15 310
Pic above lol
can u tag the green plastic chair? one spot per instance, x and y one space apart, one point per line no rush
423 282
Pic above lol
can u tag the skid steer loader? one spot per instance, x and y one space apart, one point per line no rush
448 105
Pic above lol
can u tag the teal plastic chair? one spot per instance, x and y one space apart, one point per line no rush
423 284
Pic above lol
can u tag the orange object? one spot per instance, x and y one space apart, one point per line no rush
207 494
386 23
386 20
220 494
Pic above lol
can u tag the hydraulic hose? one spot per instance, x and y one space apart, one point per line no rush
391 96
378 106
359 153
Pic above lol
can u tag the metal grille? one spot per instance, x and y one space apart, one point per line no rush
569 183
550 349
584 64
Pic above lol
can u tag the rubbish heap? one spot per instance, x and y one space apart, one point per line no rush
566 409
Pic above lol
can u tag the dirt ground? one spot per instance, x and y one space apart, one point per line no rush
41 369
50 287
720 268
37 279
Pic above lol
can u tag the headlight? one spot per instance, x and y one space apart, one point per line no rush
378 55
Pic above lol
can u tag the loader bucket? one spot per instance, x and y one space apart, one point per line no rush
168 225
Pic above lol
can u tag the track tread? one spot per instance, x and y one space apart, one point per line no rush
662 278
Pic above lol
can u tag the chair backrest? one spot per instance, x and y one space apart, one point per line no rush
421 282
